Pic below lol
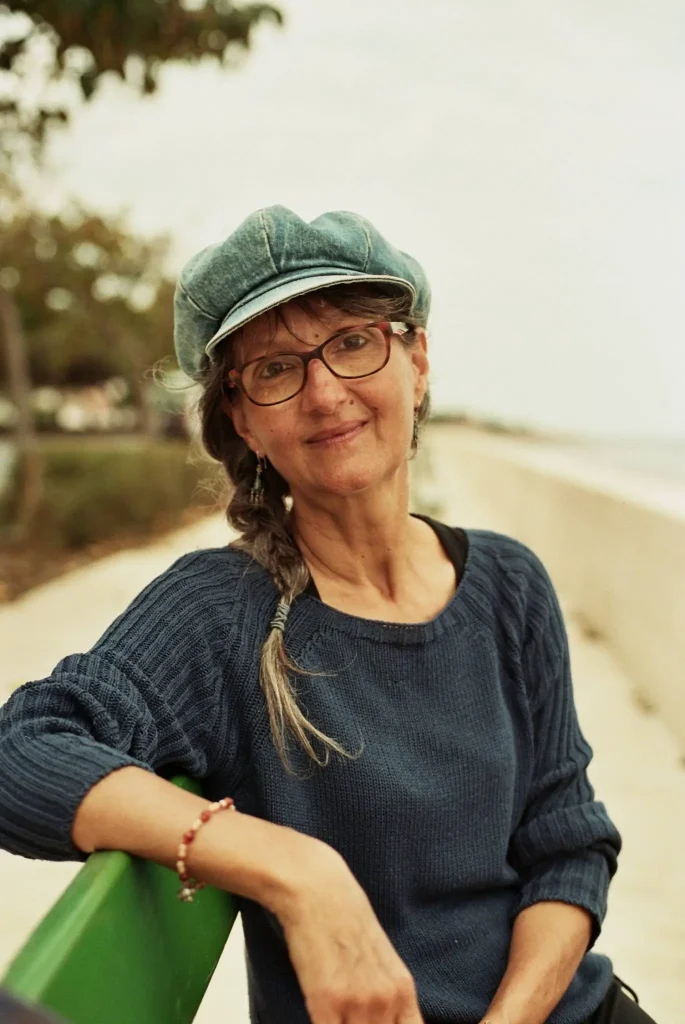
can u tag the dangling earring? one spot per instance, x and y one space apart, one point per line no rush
415 432
257 489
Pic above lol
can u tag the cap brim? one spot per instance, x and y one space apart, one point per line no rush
276 294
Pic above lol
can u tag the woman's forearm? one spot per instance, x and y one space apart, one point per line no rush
139 812
549 940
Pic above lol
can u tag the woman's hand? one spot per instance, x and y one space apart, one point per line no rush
549 939
348 969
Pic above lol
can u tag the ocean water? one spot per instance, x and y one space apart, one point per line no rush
664 460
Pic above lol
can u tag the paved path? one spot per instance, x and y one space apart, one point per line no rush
636 771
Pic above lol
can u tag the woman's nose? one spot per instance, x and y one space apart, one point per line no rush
322 390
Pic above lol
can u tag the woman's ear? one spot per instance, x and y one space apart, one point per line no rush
419 357
234 410
226 405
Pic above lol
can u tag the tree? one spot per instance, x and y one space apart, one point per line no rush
53 54
94 300
63 47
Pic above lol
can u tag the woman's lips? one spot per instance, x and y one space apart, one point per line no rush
341 436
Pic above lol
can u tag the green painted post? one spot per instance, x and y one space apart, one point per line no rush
119 946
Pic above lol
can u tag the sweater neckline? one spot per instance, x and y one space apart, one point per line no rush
308 610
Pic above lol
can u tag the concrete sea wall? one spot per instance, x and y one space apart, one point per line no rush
612 541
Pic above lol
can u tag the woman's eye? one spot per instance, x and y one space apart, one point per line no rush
273 369
350 342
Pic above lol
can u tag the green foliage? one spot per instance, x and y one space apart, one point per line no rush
93 300
74 42
95 490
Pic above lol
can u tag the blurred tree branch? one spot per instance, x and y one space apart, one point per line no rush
47 45
53 54
94 300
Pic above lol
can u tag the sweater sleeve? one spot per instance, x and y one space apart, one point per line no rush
146 694
565 846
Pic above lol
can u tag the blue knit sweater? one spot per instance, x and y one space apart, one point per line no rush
469 803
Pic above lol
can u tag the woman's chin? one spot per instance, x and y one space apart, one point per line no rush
344 486
347 481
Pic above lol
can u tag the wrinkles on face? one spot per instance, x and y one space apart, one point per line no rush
337 436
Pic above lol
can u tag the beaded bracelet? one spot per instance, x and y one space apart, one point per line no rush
189 886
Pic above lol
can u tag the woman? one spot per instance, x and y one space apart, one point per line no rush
387 700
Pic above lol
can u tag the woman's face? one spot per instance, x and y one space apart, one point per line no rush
302 437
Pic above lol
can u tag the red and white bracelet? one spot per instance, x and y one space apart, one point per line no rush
189 886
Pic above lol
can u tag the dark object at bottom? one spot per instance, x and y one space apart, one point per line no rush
619 1008
14 1012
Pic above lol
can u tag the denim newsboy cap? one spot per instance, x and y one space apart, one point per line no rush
272 257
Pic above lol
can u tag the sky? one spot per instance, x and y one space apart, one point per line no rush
531 156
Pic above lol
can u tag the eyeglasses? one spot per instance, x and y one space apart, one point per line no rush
350 353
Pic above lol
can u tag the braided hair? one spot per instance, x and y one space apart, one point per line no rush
265 529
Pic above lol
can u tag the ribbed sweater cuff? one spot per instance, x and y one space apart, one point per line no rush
40 817
581 879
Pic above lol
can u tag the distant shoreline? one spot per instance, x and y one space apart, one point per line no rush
662 459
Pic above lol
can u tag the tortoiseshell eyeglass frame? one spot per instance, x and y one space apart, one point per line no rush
388 327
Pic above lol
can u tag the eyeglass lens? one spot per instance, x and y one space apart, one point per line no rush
278 377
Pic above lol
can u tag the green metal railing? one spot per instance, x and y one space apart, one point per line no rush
118 946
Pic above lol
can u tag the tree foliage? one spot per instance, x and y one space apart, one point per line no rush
75 291
61 47
94 300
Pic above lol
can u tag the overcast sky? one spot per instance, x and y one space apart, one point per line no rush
530 155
